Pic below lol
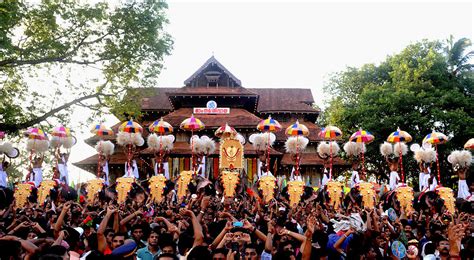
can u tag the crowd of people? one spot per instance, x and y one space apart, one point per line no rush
206 225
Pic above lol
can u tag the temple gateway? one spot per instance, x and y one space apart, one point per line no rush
215 96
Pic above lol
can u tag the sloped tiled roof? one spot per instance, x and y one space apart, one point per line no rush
159 100
284 100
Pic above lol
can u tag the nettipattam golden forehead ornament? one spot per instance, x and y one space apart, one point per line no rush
44 190
229 182
295 190
447 195
367 192
184 179
124 185
157 186
21 194
231 154
405 197
267 185
335 192
93 188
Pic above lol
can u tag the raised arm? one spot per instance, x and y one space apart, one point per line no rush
59 223
101 239
197 228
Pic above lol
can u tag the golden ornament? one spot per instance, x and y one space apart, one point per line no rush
267 185
157 185
229 181
124 185
44 190
93 187
295 190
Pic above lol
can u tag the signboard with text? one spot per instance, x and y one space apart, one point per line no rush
211 108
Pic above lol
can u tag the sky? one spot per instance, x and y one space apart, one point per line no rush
295 43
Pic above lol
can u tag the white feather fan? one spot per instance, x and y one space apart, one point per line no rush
137 139
353 149
105 147
386 149
69 142
5 147
39 146
397 147
323 149
460 158
124 138
296 144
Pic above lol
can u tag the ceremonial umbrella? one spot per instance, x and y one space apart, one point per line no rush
101 130
36 134
297 130
225 131
192 124
330 133
363 137
436 138
130 127
268 125
398 137
161 127
61 131
469 144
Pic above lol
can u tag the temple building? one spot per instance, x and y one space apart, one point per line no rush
217 97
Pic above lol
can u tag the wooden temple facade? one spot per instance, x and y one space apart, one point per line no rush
243 110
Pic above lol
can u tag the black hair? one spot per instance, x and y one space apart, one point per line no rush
167 255
199 252
222 250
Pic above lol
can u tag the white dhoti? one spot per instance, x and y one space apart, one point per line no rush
354 179
202 167
394 179
63 173
463 190
133 171
105 170
325 179
166 170
37 176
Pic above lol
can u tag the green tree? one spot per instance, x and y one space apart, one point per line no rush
58 55
425 87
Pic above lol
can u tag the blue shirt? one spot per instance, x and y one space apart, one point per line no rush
145 254
332 239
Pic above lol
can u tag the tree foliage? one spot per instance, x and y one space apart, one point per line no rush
58 55
427 86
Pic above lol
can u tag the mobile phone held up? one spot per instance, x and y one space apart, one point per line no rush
238 224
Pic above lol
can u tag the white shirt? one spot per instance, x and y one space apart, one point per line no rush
394 178
354 178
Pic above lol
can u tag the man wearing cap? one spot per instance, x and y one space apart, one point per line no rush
151 251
